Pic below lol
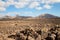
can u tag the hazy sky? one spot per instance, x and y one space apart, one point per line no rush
29 7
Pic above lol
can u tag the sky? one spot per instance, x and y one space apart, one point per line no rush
29 7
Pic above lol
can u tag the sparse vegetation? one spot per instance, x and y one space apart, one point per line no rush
40 27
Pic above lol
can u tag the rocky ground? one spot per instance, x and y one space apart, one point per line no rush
9 30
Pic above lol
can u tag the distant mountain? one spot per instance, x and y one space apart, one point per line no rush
14 17
7 17
17 17
47 16
22 17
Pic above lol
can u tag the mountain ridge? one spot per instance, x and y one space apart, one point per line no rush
30 17
47 16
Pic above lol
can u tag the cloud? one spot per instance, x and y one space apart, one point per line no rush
10 2
1 15
55 1
2 9
20 4
39 8
34 4
47 6
50 1
19 13
2 6
27 3
15 13
12 13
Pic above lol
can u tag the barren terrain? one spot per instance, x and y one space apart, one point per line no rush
9 27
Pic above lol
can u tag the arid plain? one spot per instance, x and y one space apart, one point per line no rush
8 27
